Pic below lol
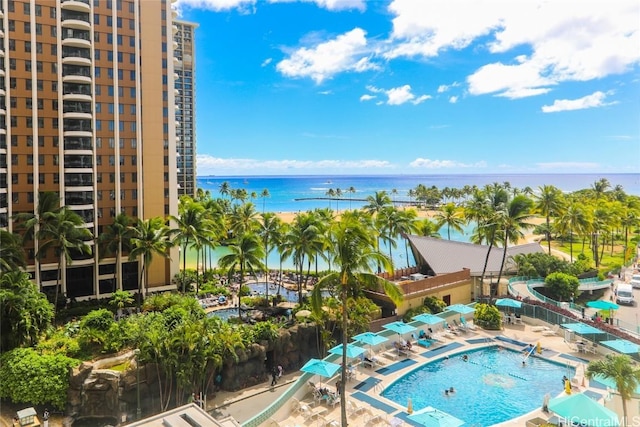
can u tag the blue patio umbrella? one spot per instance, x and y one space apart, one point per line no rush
428 318
370 338
622 346
320 367
399 327
432 417
582 328
461 308
583 411
352 350
508 302
603 305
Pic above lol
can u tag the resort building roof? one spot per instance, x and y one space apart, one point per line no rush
439 256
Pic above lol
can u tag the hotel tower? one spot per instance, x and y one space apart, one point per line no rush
88 111
185 84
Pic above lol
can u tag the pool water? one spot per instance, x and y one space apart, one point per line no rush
224 313
259 288
491 387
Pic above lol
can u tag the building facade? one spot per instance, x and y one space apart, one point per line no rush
185 84
87 110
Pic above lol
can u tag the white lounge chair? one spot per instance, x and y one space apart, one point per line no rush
551 332
539 328
353 408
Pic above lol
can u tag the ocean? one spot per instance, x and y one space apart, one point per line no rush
302 193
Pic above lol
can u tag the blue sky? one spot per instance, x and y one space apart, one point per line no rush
416 86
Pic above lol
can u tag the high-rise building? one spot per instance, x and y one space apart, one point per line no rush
185 67
87 110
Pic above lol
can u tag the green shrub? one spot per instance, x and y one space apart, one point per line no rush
487 316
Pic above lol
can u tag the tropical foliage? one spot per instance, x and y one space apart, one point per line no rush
623 371
562 286
29 377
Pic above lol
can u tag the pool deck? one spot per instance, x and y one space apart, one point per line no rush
364 390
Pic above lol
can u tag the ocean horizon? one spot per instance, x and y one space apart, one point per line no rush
299 193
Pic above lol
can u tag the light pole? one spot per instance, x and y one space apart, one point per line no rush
136 352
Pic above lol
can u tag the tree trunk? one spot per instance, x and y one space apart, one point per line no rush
345 340
484 270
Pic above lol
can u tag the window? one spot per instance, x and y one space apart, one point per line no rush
40 141
12 63
39 66
132 23
14 178
13 101
97 71
29 103
28 84
98 107
14 121
110 21
54 31
97 53
27 45
134 177
27 27
132 56
98 125
40 122
27 65
119 40
132 75
26 8
29 159
98 142
29 122
39 29
52 12
99 177
14 160
54 49
110 72
120 57
38 47
12 25
38 10
134 143
56 178
12 44
96 19
132 41
41 159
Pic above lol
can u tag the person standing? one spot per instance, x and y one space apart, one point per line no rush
45 418
274 376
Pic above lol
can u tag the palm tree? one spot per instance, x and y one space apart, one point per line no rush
120 299
271 234
11 252
225 189
243 219
303 241
245 254
66 234
193 228
621 369
574 219
32 223
355 256
150 238
115 239
375 204
450 215
512 220
351 190
548 203
264 195
426 227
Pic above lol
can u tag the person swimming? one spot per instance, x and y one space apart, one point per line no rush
465 357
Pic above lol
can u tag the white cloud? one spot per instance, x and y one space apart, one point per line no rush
566 41
333 5
445 88
444 164
367 97
210 165
453 99
266 62
215 5
325 92
396 96
323 61
594 100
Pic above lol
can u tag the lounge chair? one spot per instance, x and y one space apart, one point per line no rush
423 342
469 326
539 328
354 408
309 413
459 327
551 332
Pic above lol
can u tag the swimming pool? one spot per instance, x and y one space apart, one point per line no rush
490 388
259 288
224 313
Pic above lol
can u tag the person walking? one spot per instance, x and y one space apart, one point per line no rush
274 376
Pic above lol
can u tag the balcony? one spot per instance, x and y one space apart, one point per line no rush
76 56
76 42
78 179
76 5
78 161
75 20
76 92
78 143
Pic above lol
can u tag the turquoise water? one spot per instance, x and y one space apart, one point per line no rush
297 193
492 387
225 313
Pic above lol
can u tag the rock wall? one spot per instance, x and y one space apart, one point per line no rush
95 390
